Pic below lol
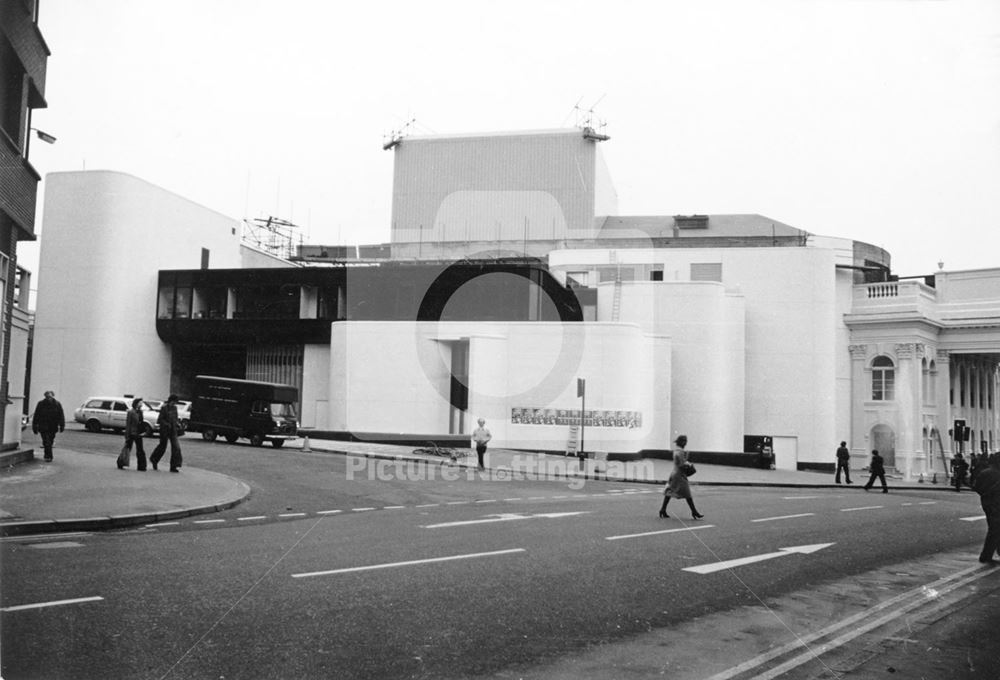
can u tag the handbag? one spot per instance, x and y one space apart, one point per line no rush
688 469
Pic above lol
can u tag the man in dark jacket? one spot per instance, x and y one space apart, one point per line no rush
843 462
877 469
169 430
987 485
48 419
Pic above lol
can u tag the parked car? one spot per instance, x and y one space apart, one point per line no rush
183 410
108 413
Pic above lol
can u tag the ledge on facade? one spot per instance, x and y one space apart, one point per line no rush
16 457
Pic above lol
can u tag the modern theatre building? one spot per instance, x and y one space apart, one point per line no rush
510 281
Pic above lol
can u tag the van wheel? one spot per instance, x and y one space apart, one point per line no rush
147 430
257 439
277 443
93 425
208 434
231 438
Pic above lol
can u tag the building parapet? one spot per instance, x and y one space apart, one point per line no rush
894 297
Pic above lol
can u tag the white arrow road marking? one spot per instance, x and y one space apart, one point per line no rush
54 603
409 563
503 517
664 531
784 552
972 519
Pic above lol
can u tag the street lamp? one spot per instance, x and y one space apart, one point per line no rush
44 136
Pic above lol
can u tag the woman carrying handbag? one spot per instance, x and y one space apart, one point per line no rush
677 485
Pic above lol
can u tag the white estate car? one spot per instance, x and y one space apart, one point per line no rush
100 413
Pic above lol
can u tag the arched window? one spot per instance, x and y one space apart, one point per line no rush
883 379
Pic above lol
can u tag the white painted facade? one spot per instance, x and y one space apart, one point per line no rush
105 236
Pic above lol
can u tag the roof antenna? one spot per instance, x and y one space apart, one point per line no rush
585 121
396 136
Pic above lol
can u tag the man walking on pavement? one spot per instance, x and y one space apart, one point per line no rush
987 485
47 420
169 429
877 468
843 462
480 437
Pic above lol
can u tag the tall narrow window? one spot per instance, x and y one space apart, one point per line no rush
883 379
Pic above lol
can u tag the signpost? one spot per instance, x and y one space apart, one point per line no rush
581 391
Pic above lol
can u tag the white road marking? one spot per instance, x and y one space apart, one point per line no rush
927 503
163 524
919 597
458 502
505 517
664 531
506 499
783 552
867 507
247 519
55 545
488 500
54 603
772 519
328 512
803 498
45 537
361 509
292 514
208 521
409 563
428 505
393 507
972 519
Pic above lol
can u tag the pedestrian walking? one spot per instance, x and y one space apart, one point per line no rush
959 470
987 485
169 429
677 484
843 463
134 425
877 469
480 437
48 419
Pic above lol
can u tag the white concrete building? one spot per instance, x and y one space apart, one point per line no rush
720 327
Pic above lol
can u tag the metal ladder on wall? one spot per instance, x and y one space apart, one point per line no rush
944 458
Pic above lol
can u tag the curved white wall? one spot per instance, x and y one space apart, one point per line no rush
104 237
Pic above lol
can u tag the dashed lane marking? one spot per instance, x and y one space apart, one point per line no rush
247 519
867 507
409 563
292 514
774 519
163 524
54 603
361 509
208 521
328 512
972 519
428 505
656 533
393 507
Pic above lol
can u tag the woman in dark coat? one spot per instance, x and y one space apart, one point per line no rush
677 484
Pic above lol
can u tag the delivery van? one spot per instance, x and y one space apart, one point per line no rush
234 409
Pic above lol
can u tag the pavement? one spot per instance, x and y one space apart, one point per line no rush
86 492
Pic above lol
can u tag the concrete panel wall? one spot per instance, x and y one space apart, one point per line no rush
396 377
518 186
105 236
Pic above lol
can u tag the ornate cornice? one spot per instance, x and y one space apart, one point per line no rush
858 352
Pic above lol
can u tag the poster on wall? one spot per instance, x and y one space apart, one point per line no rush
623 419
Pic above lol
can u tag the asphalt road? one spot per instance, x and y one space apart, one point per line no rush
321 575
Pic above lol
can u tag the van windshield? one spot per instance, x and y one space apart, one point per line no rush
282 410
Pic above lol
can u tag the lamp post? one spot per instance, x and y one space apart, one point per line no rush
42 135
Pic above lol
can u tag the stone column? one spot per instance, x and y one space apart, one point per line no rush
908 403
942 401
860 393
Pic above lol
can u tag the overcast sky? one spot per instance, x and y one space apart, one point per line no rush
877 120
